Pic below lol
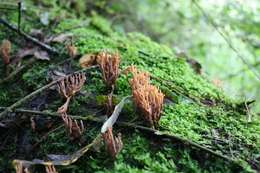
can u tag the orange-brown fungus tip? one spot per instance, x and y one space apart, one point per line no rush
71 84
139 79
113 143
147 98
109 65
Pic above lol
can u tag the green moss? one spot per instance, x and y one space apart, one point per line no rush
205 125
101 24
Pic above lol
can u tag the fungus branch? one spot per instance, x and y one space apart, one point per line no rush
109 65
67 88
147 98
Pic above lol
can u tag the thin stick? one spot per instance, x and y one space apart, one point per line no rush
29 96
28 37
19 15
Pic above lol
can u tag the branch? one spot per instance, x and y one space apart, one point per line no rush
29 38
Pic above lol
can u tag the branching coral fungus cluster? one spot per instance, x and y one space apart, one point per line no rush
147 98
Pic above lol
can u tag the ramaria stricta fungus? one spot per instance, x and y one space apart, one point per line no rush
147 98
73 127
68 87
50 169
113 143
109 65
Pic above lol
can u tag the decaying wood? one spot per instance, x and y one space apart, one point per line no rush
155 132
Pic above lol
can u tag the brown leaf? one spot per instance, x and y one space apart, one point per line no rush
5 51
34 51
87 60
24 52
42 55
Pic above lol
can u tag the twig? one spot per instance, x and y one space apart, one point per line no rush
24 99
19 15
28 37
14 73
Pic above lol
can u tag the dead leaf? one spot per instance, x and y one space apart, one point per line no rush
42 55
5 51
87 60
59 38
34 51
22 53
112 119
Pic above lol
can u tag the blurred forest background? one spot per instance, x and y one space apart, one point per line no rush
222 35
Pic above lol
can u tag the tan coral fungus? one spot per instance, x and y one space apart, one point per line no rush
68 87
147 98
113 144
109 65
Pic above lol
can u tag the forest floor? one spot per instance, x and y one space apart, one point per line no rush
200 129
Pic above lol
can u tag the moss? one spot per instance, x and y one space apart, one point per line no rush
225 132
101 24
